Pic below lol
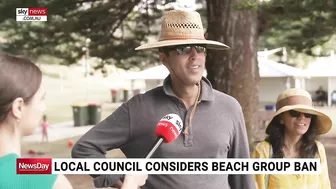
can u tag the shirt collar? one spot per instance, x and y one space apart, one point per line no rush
206 92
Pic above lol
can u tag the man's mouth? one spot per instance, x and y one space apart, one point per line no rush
194 66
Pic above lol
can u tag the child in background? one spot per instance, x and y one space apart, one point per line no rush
45 126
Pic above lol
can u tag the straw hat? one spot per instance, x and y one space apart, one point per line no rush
181 28
300 100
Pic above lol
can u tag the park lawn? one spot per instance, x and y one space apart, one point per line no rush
61 95
67 86
72 89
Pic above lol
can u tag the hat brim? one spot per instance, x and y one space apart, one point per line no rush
209 44
323 121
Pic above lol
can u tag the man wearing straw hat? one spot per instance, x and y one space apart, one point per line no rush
214 126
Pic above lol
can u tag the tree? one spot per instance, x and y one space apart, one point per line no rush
117 27
235 71
298 25
114 27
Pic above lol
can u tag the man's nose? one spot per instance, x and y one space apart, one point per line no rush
193 53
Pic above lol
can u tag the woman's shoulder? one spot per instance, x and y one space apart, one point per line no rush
262 144
261 149
320 148
44 179
9 178
319 144
29 181
39 181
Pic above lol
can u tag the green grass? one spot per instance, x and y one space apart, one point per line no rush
62 94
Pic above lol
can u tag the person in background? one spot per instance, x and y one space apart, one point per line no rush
21 107
321 96
292 134
44 126
214 125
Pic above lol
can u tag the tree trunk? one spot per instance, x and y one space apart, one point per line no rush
235 72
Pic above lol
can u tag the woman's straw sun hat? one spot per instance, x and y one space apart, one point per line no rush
300 100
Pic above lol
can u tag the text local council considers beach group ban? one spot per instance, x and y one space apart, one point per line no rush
186 166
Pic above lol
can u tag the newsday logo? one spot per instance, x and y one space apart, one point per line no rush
31 14
33 165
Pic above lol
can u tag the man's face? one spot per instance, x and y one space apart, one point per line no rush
185 63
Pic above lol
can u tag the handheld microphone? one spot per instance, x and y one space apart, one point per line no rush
167 130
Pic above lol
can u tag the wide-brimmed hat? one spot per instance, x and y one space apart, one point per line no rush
181 28
300 100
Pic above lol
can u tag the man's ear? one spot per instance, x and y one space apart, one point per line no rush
17 108
163 58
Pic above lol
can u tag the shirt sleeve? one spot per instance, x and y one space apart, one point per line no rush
111 133
324 175
240 149
260 151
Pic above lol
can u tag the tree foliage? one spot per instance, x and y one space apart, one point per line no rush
114 27
299 25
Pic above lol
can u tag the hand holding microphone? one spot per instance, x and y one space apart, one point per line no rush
134 181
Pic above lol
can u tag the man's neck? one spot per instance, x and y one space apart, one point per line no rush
9 140
187 94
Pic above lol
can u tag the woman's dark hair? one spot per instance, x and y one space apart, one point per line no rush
19 77
308 148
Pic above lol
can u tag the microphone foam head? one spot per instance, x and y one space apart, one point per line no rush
169 127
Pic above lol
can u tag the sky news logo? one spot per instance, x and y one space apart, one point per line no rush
31 14
33 166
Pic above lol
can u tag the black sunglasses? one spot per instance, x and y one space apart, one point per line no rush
297 114
186 49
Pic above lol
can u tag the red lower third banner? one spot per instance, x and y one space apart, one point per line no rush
33 166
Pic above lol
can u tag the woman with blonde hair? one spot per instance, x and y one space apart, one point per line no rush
292 133
21 108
